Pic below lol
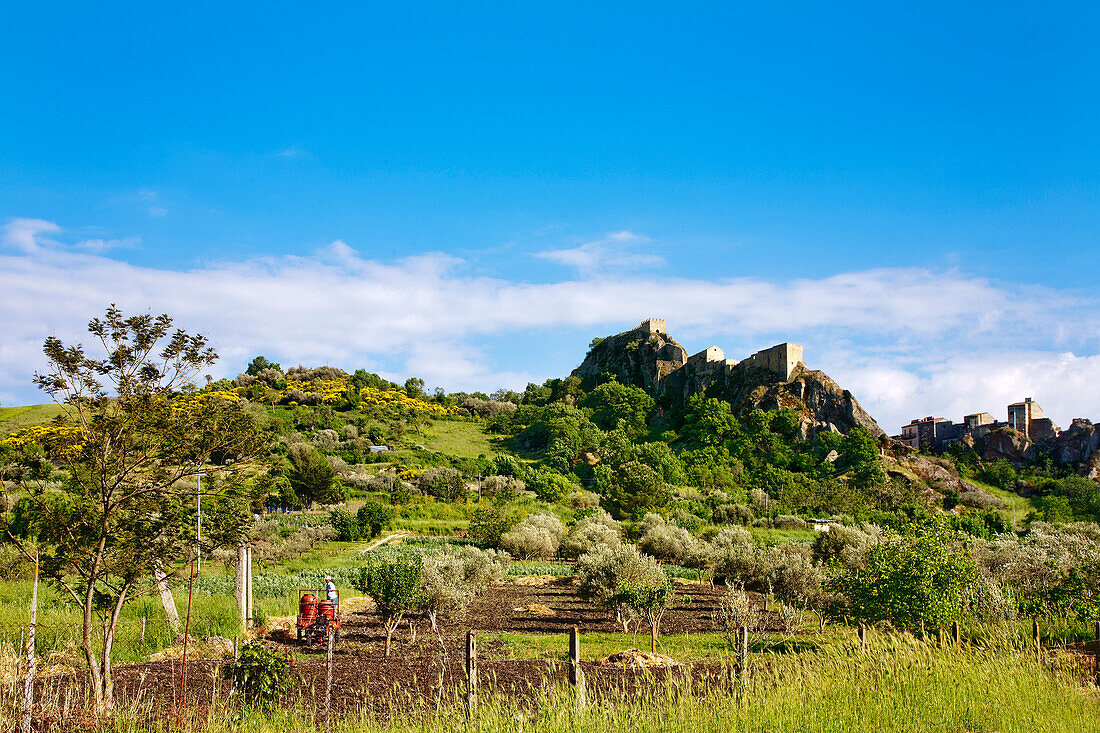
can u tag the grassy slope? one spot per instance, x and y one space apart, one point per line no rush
1018 506
462 439
16 418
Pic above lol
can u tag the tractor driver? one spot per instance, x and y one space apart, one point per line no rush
330 589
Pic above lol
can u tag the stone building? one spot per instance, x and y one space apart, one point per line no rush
938 432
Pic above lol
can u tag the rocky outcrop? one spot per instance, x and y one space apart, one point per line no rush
1012 445
641 358
655 362
943 480
1076 444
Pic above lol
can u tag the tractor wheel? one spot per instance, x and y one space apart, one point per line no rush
336 637
299 633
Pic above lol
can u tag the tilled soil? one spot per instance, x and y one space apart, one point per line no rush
416 677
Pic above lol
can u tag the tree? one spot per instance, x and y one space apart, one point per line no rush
632 488
373 517
860 452
312 477
122 509
649 599
617 405
607 570
909 581
259 364
345 524
393 581
414 387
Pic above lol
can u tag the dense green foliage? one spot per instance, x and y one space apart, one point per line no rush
261 676
911 582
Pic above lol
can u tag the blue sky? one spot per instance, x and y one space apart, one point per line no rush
910 192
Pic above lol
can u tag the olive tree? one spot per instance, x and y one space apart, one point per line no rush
123 508
909 581
393 581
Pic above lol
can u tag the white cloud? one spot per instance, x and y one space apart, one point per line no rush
611 252
907 342
25 235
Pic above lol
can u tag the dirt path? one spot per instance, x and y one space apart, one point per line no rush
384 540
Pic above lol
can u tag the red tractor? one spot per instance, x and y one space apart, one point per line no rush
317 617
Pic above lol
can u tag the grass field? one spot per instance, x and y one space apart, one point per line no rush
461 439
899 684
16 418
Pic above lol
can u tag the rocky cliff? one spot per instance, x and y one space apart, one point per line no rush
651 359
1079 445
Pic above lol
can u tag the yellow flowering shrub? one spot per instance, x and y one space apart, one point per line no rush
55 440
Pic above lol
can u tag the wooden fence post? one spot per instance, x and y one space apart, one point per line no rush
743 652
471 674
1035 635
862 638
576 674
328 685
1097 635
955 632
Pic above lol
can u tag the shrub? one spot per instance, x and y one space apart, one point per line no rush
327 440
605 571
489 524
261 676
539 535
672 543
795 578
597 530
846 546
549 486
786 521
505 465
504 488
345 524
393 581
583 499
733 514
443 483
373 517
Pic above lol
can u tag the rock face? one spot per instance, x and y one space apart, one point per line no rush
641 357
1079 444
649 358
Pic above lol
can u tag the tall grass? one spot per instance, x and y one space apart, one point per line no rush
899 685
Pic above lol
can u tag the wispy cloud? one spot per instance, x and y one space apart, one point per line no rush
613 251
907 342
25 235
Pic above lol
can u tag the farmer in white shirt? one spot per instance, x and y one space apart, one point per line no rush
330 589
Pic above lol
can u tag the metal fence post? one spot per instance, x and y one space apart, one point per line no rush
28 684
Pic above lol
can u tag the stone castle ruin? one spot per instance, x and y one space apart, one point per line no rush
711 364
775 378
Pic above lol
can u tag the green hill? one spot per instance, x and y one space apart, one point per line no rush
16 418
